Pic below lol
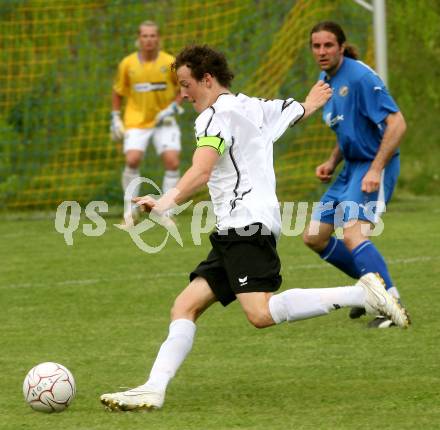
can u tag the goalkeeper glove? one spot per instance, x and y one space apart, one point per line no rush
173 109
117 129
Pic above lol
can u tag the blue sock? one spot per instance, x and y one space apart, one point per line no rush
369 259
337 253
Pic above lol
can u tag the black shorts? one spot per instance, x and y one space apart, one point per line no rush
241 263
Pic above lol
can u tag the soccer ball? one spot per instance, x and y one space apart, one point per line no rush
49 387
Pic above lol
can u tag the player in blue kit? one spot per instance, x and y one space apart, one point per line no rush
369 128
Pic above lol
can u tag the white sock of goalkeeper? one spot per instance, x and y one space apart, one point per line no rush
299 304
172 353
170 179
128 175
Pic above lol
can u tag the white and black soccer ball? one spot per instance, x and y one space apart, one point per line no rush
49 387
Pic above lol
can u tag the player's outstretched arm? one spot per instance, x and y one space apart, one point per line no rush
196 176
317 97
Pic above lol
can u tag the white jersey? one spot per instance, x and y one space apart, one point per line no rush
242 183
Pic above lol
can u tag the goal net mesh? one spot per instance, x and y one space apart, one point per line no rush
58 62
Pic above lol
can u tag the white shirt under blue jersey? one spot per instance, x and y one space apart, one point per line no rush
357 110
242 183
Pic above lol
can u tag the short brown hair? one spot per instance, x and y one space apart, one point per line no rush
202 59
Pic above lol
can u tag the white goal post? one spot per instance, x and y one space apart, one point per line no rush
377 7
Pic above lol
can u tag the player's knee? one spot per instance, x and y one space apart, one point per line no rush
172 163
259 319
133 161
348 242
352 241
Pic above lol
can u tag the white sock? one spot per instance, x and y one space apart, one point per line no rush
172 353
128 175
170 179
299 304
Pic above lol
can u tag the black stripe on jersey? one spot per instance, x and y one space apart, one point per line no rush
234 202
286 104
294 122
236 169
222 141
223 94
210 119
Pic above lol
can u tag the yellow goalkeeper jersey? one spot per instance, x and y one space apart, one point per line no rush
148 87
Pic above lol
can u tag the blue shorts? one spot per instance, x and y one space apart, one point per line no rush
345 201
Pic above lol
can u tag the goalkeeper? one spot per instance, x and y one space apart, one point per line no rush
145 80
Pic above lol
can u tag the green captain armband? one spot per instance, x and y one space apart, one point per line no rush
213 141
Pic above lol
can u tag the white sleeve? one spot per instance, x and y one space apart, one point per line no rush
212 130
281 114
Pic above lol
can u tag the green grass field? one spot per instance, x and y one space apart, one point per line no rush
100 307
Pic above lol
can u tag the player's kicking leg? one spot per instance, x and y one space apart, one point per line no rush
263 309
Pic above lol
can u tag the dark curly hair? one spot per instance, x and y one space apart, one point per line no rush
332 27
202 59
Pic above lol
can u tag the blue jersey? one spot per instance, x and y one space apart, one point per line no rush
357 110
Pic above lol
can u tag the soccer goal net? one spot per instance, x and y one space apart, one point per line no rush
59 58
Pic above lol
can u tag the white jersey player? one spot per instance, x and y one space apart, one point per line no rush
235 135
242 182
